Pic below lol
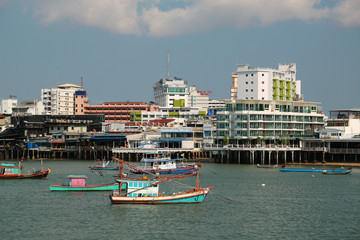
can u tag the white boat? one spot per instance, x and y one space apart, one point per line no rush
161 162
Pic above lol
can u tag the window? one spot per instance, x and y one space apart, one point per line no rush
246 82
262 82
252 82
252 74
263 90
252 90
246 74
246 90
262 98
246 98
262 75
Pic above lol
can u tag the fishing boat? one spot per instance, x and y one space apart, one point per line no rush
78 183
147 191
161 162
104 165
337 170
346 172
14 170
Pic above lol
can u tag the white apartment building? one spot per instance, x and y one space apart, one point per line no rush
242 119
266 83
171 93
8 104
60 100
198 99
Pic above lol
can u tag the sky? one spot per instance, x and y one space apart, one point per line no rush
122 47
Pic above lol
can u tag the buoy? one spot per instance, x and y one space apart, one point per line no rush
313 176
263 184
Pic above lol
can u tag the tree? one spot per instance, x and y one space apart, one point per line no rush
226 140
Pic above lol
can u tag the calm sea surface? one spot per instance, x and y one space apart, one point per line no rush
288 206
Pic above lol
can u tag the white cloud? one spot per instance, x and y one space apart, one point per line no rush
205 14
347 12
118 16
146 17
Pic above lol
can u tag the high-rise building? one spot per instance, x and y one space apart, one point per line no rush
266 83
171 93
60 100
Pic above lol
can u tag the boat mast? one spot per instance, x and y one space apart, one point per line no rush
197 178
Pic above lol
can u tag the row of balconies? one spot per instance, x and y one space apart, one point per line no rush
276 120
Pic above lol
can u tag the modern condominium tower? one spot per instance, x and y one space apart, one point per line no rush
266 83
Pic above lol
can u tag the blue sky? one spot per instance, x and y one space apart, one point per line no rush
121 47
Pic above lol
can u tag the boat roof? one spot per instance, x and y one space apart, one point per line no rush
154 153
77 176
137 180
8 163
161 160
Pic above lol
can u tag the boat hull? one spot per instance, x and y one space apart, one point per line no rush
100 187
338 173
104 168
38 174
166 171
311 170
194 196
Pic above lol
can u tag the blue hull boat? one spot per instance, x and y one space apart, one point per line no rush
338 170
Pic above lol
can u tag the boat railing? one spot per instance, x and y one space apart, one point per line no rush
251 146
344 150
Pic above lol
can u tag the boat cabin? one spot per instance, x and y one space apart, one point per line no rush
132 185
9 168
77 180
157 161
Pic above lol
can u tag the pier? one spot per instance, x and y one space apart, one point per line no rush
229 154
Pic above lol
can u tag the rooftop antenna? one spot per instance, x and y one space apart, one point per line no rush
57 78
168 72
82 82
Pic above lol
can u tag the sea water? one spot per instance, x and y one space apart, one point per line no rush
245 203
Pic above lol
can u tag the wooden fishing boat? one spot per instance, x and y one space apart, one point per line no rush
161 162
104 165
78 183
346 172
147 191
14 170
